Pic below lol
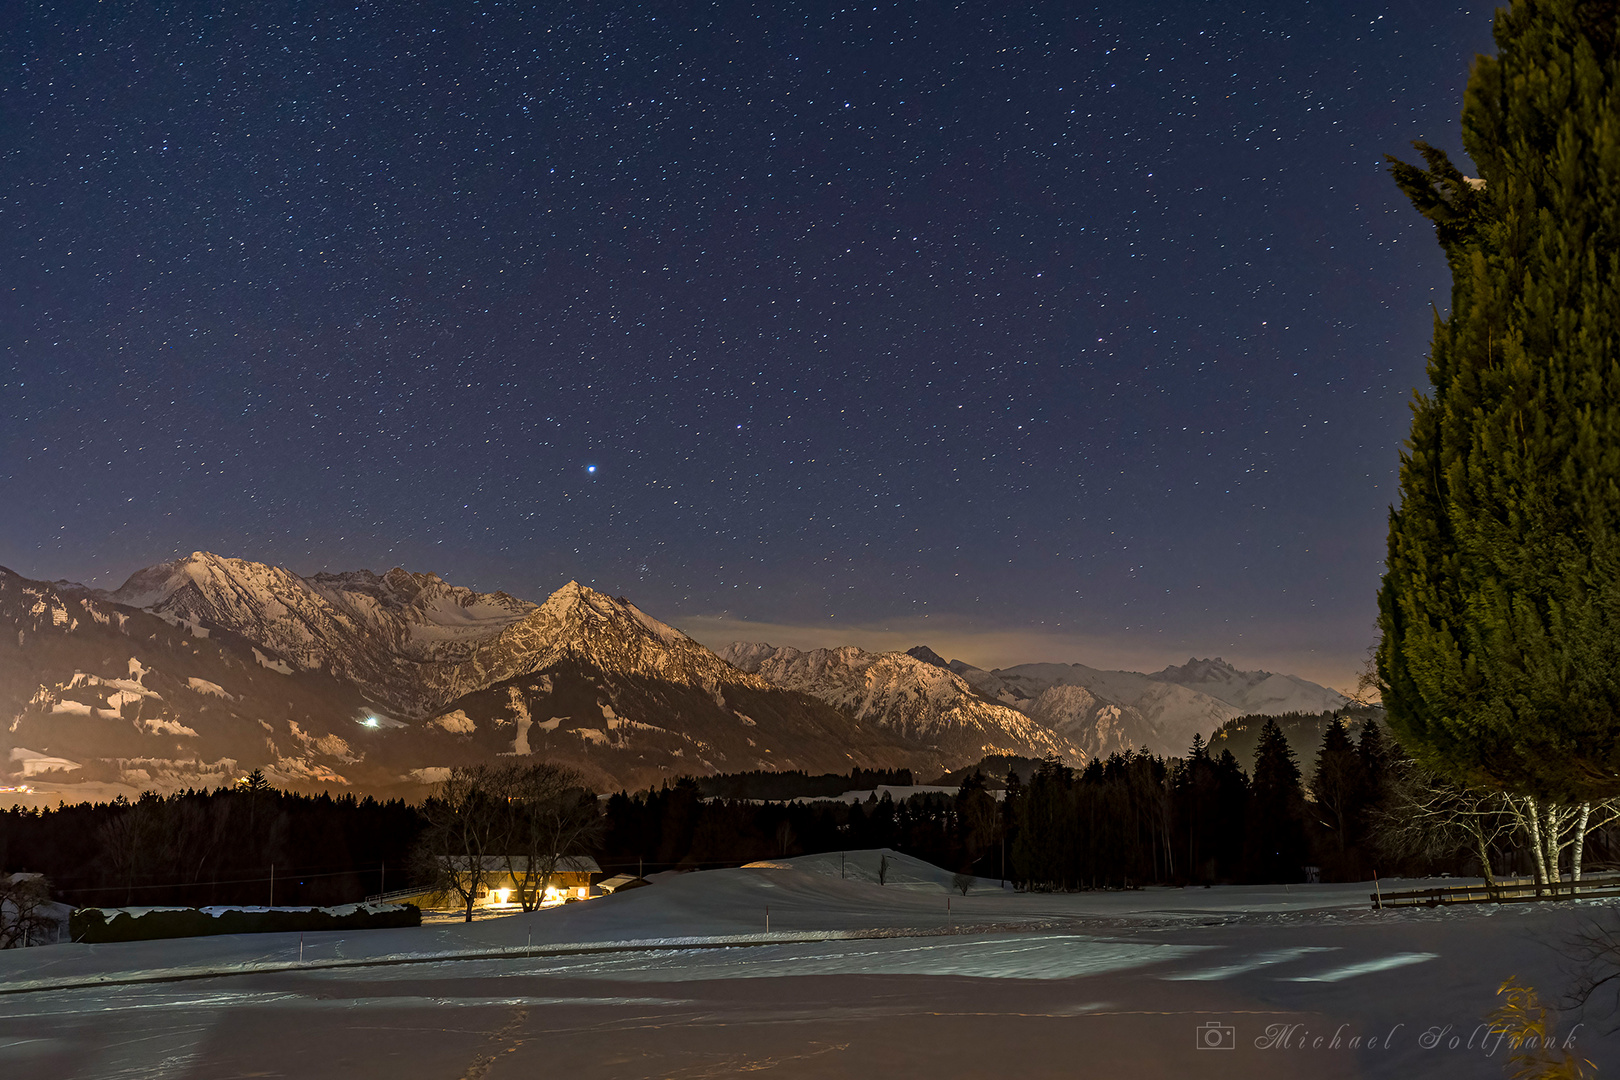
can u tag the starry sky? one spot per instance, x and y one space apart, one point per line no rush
1046 331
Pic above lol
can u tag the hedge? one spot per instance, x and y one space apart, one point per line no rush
93 925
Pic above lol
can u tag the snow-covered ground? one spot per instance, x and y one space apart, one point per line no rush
905 979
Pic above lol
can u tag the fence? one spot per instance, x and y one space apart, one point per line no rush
1517 891
398 894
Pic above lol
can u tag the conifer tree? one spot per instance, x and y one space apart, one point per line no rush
1500 608
1337 785
1276 833
1232 807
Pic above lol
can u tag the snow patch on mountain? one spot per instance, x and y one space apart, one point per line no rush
203 686
411 640
456 722
911 697
1108 711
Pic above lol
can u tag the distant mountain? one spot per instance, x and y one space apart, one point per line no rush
196 671
919 701
1258 692
1106 711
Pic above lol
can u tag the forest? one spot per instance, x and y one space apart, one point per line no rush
1124 822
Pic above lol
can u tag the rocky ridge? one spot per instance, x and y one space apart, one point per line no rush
914 698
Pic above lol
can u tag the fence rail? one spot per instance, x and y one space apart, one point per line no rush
398 894
1517 891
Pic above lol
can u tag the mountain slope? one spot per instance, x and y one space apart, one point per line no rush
1107 711
915 699
103 700
410 641
1258 692
404 638
238 666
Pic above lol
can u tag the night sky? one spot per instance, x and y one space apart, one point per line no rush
1037 331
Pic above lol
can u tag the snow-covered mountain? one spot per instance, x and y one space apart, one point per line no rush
1257 692
918 700
197 671
410 641
1105 711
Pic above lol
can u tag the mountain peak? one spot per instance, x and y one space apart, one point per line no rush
1195 670
928 656
903 693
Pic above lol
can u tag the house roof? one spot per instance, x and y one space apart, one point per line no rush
621 881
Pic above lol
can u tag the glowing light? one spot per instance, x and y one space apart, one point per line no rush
371 721
590 468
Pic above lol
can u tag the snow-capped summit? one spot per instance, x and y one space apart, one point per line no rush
911 697
928 656
200 687
408 639
1104 711
1252 691
580 623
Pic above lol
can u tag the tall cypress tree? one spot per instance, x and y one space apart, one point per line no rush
1500 608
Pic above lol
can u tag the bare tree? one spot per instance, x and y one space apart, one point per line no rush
24 918
1553 828
962 883
1427 816
132 843
551 818
466 834
1366 692
1593 953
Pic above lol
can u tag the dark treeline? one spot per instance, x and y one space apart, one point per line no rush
796 784
1129 820
199 848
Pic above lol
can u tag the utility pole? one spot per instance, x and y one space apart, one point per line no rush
272 884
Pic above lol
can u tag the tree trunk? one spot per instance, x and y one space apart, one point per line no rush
1580 842
1552 827
1533 818
1483 849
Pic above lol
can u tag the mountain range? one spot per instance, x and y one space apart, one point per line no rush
196 671
1106 711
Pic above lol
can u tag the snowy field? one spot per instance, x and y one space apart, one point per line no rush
682 979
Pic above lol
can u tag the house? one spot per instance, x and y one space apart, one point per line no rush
503 877
621 882
28 915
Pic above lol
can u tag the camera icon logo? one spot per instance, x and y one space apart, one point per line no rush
1215 1035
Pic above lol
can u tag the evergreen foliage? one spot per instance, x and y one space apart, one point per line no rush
1129 820
1500 608
1276 835
1338 785
200 848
